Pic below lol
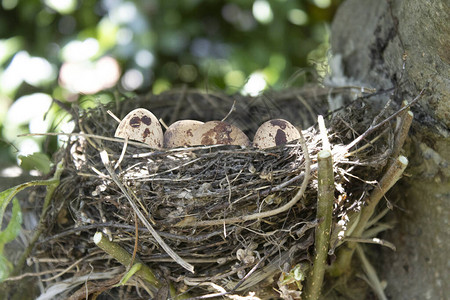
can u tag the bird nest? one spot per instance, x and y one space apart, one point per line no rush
207 219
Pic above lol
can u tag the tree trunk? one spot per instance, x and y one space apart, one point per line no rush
406 44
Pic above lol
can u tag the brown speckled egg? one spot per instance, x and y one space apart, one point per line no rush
180 133
219 133
275 132
141 125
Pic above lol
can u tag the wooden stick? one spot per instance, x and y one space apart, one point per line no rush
324 214
125 258
405 124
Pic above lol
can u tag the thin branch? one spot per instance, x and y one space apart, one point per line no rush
30 274
65 270
231 110
359 221
325 202
372 128
125 258
371 274
405 124
122 154
87 135
113 116
372 241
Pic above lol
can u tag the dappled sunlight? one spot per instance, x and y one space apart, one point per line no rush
262 11
89 77
70 48
255 85
80 50
132 79
35 71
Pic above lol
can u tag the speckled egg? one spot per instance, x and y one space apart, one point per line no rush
219 133
141 125
274 133
181 133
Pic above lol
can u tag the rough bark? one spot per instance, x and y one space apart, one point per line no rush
406 44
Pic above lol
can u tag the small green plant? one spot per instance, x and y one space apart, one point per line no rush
11 231
13 228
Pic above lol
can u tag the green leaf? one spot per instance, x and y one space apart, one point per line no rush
13 228
36 161
5 267
5 197
136 267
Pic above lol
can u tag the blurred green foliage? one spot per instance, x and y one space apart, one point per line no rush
61 49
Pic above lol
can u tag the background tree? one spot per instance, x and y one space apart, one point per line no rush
404 44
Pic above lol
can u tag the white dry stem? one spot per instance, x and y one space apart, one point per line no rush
122 154
113 116
323 134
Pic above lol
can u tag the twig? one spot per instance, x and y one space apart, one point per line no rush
231 110
65 270
377 217
175 237
405 124
373 93
136 239
381 113
249 273
372 241
122 154
30 274
113 116
88 135
266 214
375 127
392 175
369 143
223 291
125 258
325 202
169 251
372 231
163 123
308 107
371 274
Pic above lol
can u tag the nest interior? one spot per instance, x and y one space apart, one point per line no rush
199 199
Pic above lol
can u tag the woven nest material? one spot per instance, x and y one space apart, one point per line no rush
202 200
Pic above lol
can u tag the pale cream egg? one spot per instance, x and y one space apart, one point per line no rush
181 133
141 125
274 133
219 133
